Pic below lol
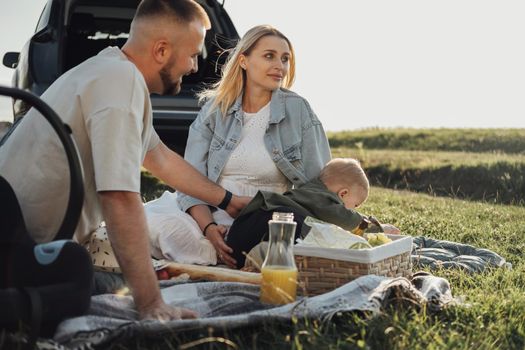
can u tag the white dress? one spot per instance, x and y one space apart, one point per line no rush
174 235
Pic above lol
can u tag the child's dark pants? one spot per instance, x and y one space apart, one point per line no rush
249 230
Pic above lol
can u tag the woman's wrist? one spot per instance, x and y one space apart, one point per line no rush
206 227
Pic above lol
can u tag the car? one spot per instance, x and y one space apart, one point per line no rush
70 31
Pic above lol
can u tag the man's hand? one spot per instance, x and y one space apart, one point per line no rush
215 234
390 229
127 232
237 204
162 312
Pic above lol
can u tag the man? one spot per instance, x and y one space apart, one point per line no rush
105 101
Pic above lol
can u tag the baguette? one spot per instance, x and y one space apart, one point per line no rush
211 273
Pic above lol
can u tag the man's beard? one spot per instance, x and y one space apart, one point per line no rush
170 87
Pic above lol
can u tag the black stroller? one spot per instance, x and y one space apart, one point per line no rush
42 284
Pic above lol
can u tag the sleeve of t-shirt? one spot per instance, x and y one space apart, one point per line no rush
116 142
154 140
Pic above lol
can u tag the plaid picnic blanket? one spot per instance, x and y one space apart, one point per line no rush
224 305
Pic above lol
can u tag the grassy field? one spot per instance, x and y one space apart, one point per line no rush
475 164
492 315
462 140
491 177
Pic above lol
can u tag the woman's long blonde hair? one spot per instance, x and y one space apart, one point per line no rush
233 77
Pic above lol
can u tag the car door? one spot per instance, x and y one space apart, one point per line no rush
40 61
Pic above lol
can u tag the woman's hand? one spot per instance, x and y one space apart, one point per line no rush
237 204
215 234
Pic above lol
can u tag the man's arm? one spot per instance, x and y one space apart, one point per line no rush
127 232
179 174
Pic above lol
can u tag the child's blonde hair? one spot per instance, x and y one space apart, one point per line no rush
231 84
344 172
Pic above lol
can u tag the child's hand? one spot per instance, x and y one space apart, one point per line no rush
390 229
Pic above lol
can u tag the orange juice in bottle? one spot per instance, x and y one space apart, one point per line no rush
279 273
279 285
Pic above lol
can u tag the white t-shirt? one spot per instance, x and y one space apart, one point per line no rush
106 103
250 167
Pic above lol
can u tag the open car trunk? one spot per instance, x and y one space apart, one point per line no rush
71 31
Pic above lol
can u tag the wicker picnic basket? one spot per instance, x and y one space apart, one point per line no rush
321 275
323 270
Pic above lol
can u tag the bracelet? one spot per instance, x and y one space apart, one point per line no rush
205 227
225 201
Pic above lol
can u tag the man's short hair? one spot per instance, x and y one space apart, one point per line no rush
183 11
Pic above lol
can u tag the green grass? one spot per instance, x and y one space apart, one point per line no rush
151 187
425 159
494 177
465 140
492 315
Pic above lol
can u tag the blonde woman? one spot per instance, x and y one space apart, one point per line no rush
253 133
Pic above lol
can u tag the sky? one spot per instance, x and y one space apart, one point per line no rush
377 63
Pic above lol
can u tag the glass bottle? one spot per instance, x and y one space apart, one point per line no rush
279 272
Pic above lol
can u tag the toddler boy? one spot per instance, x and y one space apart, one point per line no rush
333 197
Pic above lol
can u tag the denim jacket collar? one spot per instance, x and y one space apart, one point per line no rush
236 108
276 107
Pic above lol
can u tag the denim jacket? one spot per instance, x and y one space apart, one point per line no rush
294 138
